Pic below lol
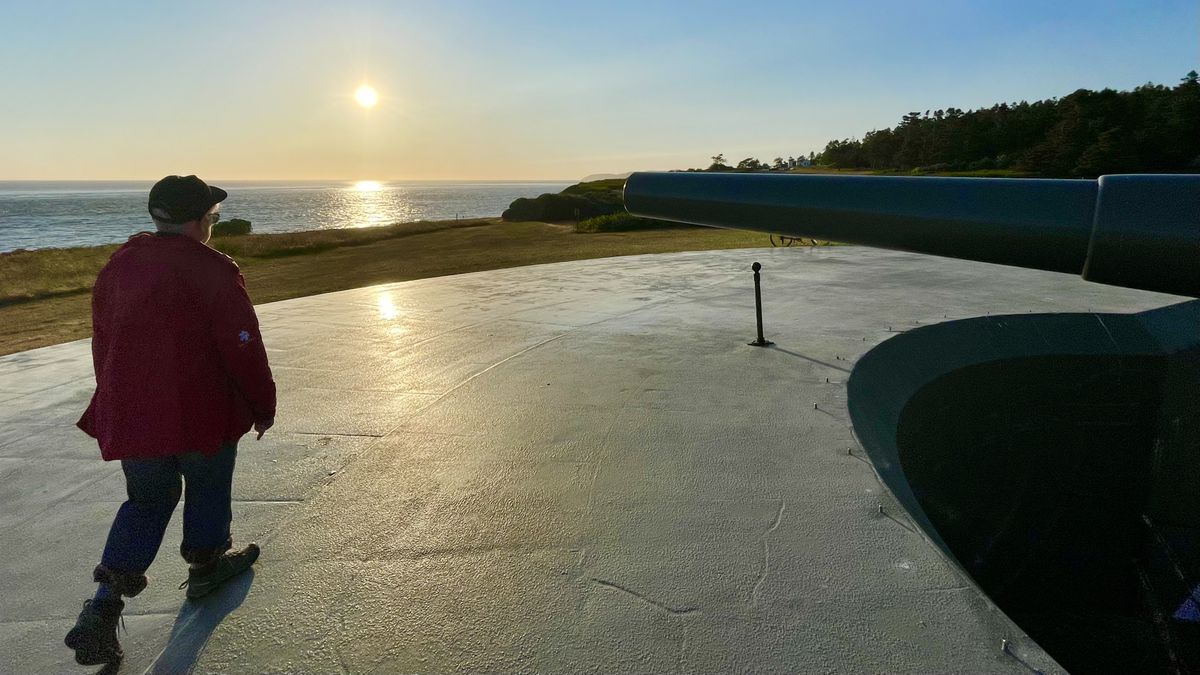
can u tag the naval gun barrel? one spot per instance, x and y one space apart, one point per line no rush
1137 231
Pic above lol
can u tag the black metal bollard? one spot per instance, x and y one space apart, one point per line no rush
761 341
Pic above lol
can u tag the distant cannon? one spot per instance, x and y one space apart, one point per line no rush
1136 231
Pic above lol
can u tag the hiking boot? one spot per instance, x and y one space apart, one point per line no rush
94 637
204 580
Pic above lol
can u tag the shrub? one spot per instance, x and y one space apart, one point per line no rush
622 222
231 227
556 207
941 167
577 202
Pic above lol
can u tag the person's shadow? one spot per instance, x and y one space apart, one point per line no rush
195 623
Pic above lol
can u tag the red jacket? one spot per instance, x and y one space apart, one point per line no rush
180 364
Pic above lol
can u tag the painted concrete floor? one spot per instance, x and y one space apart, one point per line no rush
578 467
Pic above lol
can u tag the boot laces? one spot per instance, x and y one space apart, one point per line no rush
121 628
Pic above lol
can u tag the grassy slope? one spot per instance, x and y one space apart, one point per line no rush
609 188
292 265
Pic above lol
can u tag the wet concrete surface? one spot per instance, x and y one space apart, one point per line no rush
578 467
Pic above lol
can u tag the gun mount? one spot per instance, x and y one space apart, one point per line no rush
1136 231
1048 454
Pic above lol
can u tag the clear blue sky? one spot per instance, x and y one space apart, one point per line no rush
229 90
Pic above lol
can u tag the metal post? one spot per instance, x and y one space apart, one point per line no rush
761 341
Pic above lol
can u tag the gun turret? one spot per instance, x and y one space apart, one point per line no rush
1136 231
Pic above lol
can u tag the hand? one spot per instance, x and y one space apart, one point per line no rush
262 425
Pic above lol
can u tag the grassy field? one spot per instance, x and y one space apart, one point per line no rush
45 295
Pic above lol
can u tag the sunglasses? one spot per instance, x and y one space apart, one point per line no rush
214 217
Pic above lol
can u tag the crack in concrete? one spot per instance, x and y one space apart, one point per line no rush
571 330
329 433
645 598
681 658
631 393
602 454
446 552
766 546
440 397
595 476
342 667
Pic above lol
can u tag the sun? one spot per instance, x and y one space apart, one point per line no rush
366 96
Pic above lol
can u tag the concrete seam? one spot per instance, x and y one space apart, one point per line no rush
766 549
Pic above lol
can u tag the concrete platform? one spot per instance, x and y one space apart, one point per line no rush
577 467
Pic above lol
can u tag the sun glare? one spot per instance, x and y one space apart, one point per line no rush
366 96
387 308
368 186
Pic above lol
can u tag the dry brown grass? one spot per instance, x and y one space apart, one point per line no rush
26 275
55 272
52 303
299 243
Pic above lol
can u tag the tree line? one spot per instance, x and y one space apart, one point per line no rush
1153 128
719 163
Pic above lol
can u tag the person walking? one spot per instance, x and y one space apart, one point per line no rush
181 376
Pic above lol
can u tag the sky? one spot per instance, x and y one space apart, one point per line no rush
254 90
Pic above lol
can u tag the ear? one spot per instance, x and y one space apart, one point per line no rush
195 228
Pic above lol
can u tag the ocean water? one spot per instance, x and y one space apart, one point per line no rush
60 214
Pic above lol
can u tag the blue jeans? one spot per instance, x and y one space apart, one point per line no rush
153 486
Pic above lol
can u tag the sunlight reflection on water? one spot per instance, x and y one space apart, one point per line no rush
370 206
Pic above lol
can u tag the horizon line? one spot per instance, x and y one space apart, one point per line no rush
298 180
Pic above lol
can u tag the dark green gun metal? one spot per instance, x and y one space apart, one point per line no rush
1138 231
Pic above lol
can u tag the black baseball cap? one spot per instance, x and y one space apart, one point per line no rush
180 199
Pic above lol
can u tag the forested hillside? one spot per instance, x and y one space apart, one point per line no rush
1153 128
